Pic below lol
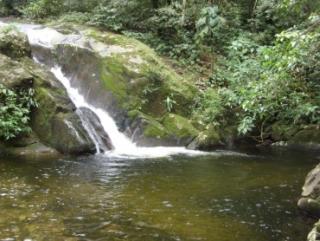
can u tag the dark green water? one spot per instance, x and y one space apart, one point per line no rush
213 198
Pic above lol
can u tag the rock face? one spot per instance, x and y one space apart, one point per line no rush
55 125
148 100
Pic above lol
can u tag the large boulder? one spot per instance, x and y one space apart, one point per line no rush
55 121
309 137
149 100
56 127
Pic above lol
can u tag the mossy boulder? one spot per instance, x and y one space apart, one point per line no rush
209 138
55 125
13 43
283 131
171 129
55 120
13 74
122 75
308 137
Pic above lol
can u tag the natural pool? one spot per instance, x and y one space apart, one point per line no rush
221 197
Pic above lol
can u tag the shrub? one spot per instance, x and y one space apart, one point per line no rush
15 107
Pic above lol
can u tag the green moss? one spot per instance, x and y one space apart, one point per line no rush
132 71
113 75
282 131
44 113
155 129
310 134
179 126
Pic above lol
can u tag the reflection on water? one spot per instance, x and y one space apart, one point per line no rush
213 198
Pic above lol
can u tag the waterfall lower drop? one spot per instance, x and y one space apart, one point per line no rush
123 146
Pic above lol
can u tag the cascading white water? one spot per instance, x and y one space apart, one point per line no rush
121 143
123 146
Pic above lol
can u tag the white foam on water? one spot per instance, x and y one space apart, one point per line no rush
123 146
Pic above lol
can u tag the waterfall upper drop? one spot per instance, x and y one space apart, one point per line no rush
82 80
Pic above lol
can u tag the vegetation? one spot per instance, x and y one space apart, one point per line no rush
15 107
257 61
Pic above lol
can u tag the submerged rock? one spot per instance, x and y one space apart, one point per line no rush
310 200
36 151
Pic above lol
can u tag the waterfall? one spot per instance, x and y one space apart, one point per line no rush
119 140
122 145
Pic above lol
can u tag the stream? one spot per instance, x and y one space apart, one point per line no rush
222 197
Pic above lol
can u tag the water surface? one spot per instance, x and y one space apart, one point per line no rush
211 198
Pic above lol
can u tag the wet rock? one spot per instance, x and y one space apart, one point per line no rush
122 75
93 125
207 139
55 122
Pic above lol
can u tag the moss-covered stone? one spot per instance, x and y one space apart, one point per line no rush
13 74
55 121
283 131
179 126
310 134
207 139
132 69
14 43
122 75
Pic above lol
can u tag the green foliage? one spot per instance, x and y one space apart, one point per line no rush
210 108
15 109
169 103
265 84
210 26
43 8
76 17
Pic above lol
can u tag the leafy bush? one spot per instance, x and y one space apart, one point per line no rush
269 83
15 107
43 8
